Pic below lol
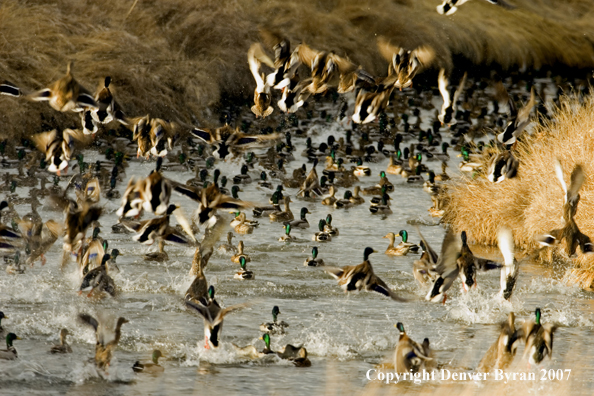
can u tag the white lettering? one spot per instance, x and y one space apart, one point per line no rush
368 374
443 374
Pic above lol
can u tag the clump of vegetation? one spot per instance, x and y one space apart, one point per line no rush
532 203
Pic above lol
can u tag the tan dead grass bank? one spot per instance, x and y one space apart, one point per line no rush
177 59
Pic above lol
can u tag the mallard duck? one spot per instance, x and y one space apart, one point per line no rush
228 141
330 199
213 316
107 108
313 261
65 94
287 237
228 247
322 236
199 287
403 247
295 94
447 116
157 191
157 229
424 268
141 134
235 258
395 166
98 279
328 228
243 273
10 353
63 346
404 64
3 332
104 348
449 6
58 148
322 65
210 199
502 166
361 170
151 367
539 339
311 183
302 222
511 267
570 231
243 227
381 208
345 202
409 356
355 198
416 177
369 104
16 267
377 189
443 176
457 261
262 94
264 183
243 177
274 327
297 355
501 353
283 216
361 277
518 121
469 163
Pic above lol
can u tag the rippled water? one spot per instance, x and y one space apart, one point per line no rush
344 335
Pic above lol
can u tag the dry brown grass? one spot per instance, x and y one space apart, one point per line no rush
531 204
177 59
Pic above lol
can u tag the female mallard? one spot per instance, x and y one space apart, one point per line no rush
10 352
199 287
539 339
328 228
151 367
302 222
502 166
243 177
287 237
369 104
243 273
361 277
355 198
409 356
66 94
58 148
103 348
262 94
243 227
213 316
447 116
283 216
235 258
322 236
330 199
98 279
228 247
345 202
443 176
63 346
313 261
395 165
107 108
2 331
501 353
274 327
156 229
